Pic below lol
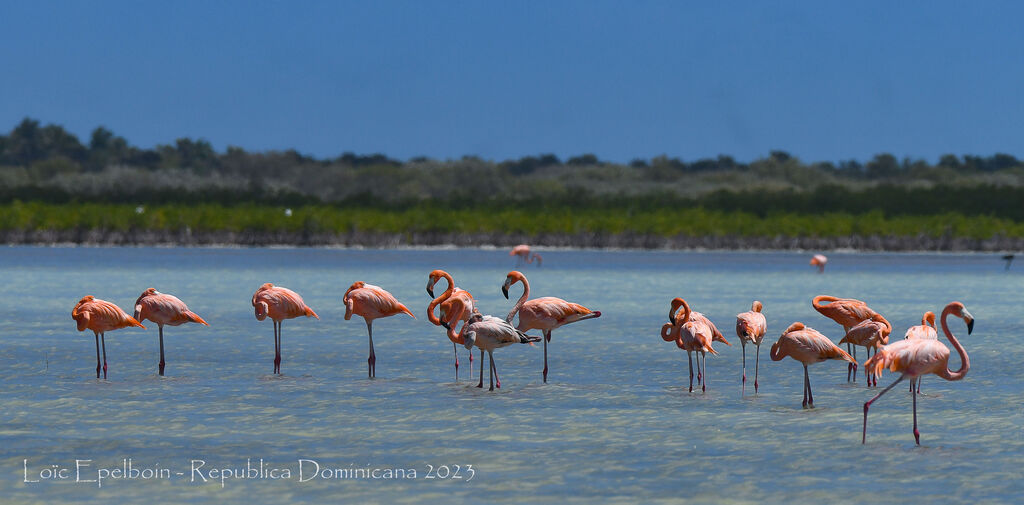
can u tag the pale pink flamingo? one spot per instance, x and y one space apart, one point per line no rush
101 316
919 356
489 333
371 302
279 303
694 334
544 314
819 261
524 255
751 327
807 346
925 331
847 312
164 309
445 300
870 334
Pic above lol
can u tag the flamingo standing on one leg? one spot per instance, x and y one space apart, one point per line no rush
444 300
695 333
916 357
371 302
807 346
279 303
489 333
101 316
524 255
870 334
819 261
544 314
925 331
751 327
847 312
164 309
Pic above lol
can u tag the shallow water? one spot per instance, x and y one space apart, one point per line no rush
614 424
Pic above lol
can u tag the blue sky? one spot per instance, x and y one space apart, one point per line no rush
822 80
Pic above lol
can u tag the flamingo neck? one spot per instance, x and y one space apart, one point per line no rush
522 299
442 297
965 362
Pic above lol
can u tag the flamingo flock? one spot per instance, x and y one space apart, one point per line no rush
918 354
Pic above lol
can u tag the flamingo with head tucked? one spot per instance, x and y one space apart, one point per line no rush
919 356
847 312
869 334
522 251
371 302
925 331
807 346
445 300
751 327
819 260
101 316
544 314
279 303
164 309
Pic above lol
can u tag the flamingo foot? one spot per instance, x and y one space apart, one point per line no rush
98 371
755 386
917 436
545 375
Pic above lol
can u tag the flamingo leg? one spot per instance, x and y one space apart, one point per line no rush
456 347
917 434
103 342
547 337
849 366
743 388
810 396
918 381
855 367
98 355
162 362
481 383
277 347
807 381
490 358
371 362
757 358
700 374
704 362
497 380
867 405
689 356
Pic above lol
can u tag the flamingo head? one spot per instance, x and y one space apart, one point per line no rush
756 306
928 319
432 279
673 308
510 279
261 310
960 311
797 326
139 307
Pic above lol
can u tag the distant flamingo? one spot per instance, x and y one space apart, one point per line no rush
916 357
524 256
807 346
279 303
925 331
371 302
848 313
101 316
819 261
870 334
751 327
445 300
164 309
544 314
489 333
694 334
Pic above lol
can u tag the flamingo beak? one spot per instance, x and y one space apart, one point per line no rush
446 325
970 326
430 289
504 290
969 319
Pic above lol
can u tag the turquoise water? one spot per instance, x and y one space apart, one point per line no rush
614 423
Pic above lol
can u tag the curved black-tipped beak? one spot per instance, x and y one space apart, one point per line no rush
970 326
504 291
670 321
445 324
430 291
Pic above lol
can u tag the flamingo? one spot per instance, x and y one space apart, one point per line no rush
524 256
489 333
925 331
870 334
807 346
101 316
819 261
544 314
670 332
279 303
847 312
751 327
371 302
164 309
694 332
919 356
445 301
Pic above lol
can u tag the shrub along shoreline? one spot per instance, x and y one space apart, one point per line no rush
435 225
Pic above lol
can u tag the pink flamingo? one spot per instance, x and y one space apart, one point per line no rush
445 301
671 332
807 346
870 334
919 356
848 313
925 331
371 302
544 314
101 316
524 256
694 333
164 309
489 333
751 327
279 303
819 261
